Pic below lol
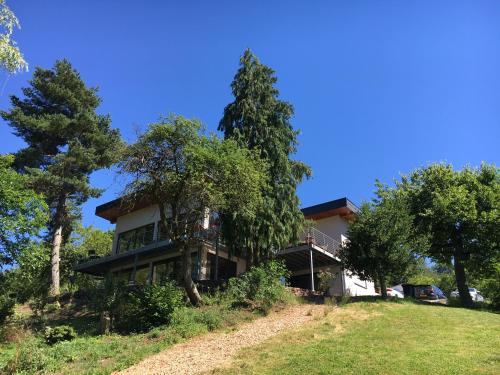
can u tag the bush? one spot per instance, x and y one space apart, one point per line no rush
259 288
30 358
325 279
6 308
141 309
54 335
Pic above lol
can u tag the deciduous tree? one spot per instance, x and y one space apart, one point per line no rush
11 58
459 213
381 243
188 175
23 213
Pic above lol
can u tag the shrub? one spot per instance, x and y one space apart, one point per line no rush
30 358
141 309
57 334
6 308
259 288
325 279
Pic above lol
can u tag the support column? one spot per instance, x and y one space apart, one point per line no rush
312 268
217 258
134 270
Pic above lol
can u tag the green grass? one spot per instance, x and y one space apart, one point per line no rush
382 338
91 353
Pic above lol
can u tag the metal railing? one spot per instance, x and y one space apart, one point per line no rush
313 236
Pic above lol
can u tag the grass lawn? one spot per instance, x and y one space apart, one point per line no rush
382 338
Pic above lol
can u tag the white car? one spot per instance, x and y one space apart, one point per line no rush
391 292
474 293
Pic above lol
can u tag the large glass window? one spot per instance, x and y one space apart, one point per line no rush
135 238
142 275
171 269
162 232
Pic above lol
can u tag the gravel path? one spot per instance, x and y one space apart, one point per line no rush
207 352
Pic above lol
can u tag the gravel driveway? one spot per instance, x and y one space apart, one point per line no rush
207 352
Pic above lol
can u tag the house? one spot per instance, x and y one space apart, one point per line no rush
142 253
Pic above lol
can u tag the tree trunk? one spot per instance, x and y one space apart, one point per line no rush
383 287
189 285
56 248
463 289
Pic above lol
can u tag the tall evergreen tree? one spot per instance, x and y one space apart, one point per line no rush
66 141
258 120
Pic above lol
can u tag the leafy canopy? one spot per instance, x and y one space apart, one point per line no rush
174 164
381 244
11 58
458 210
23 213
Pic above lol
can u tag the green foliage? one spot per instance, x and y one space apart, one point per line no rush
381 244
259 121
22 212
11 58
191 321
30 280
53 335
66 142
142 309
82 242
6 307
78 140
187 173
259 288
325 279
30 358
459 213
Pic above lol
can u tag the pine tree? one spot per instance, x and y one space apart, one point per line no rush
66 141
258 120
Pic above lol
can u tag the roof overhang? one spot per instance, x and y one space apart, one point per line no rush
122 206
342 207
119 207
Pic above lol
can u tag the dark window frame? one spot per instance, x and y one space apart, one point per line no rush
134 242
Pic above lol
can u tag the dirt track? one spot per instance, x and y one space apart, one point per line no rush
207 352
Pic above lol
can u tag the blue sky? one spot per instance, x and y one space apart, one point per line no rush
379 87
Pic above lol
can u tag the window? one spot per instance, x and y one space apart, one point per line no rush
171 269
142 275
135 238
124 276
162 232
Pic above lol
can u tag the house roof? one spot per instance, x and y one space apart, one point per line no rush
121 206
342 207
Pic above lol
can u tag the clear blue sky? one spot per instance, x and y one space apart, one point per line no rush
379 87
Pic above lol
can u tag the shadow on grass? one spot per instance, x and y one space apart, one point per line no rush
450 303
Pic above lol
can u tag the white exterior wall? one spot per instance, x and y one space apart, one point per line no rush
336 227
333 226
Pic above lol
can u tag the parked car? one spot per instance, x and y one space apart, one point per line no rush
474 293
424 292
391 292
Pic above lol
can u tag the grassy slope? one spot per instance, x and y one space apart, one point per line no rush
382 338
96 354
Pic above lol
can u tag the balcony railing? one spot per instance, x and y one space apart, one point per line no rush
313 236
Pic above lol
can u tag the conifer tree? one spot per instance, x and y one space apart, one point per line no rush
66 141
258 120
